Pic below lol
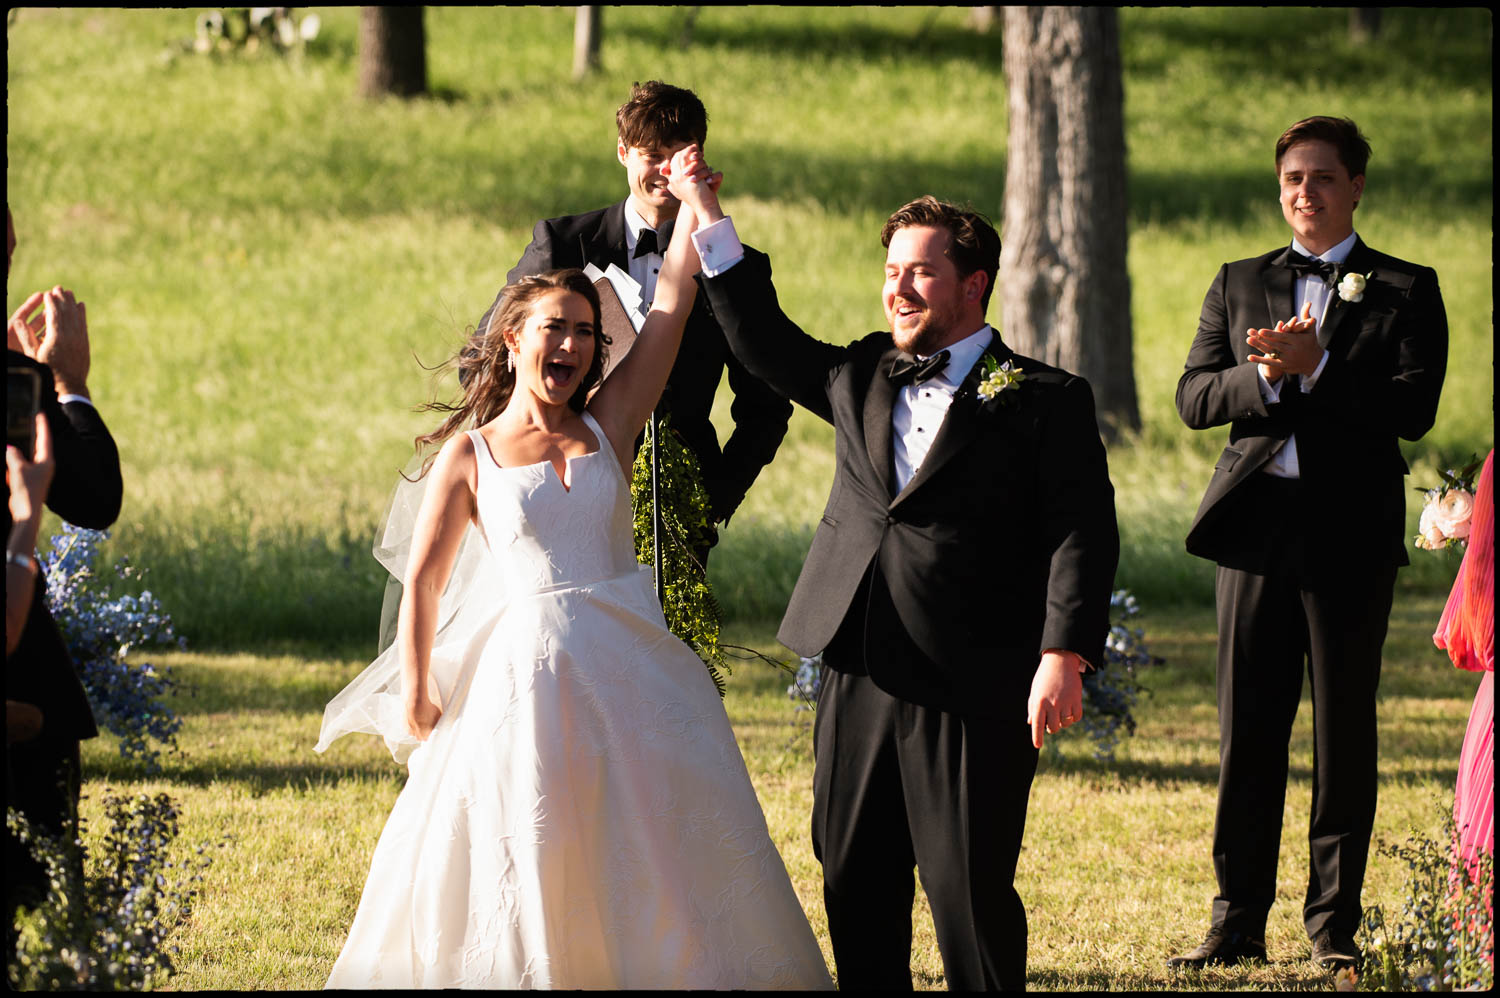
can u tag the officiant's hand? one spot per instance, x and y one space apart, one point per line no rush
1056 695
694 183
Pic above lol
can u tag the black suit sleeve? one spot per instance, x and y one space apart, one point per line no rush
87 489
771 346
1215 388
1401 399
1079 526
760 420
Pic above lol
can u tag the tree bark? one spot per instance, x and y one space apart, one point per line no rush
586 28
1364 24
982 19
1066 291
392 52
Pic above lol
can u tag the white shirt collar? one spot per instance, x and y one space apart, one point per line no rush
1335 255
634 223
963 355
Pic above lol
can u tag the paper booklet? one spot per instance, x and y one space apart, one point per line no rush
619 308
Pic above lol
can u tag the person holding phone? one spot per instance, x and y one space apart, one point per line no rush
48 335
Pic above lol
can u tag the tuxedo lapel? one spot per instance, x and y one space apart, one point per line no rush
1338 309
880 401
1281 286
961 422
606 244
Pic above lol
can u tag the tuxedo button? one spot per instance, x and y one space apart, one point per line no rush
890 519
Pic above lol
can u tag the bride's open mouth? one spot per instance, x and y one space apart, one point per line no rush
560 372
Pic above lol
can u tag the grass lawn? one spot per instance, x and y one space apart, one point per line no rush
1115 871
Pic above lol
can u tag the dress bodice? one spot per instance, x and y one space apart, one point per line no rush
544 535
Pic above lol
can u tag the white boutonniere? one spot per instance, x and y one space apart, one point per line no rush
1352 287
998 377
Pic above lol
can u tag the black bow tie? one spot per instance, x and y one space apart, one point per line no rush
1306 266
906 368
649 241
645 242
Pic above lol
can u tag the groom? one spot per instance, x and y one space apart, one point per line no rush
959 583
654 123
1319 356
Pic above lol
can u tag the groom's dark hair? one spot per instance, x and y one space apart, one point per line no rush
1341 133
973 243
659 114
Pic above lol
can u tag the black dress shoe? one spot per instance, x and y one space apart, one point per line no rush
1334 950
1221 947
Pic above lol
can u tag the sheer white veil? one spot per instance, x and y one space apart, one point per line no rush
373 703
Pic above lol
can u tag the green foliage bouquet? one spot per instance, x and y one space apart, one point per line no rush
688 601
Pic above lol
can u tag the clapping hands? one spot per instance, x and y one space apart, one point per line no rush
1291 348
57 335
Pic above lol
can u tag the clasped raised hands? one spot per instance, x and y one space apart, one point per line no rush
695 183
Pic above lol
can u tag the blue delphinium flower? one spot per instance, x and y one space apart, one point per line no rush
100 632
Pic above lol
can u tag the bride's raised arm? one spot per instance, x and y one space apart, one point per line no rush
633 388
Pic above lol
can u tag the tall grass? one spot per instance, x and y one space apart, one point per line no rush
266 259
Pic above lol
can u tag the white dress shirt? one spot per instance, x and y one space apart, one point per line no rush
1310 290
645 270
919 410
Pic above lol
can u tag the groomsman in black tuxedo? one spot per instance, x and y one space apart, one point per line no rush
958 585
1318 355
654 123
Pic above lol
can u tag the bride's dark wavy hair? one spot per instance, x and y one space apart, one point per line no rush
487 380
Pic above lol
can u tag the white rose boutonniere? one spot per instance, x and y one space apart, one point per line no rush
998 378
1352 287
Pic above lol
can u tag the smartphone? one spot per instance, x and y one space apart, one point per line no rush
23 397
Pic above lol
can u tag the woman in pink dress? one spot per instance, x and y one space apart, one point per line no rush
1467 631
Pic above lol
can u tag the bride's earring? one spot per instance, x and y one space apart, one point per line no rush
510 361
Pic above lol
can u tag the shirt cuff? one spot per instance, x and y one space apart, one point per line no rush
1269 393
718 246
1309 380
65 399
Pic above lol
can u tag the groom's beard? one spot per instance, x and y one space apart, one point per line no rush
931 332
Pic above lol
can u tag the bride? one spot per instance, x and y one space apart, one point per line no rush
577 813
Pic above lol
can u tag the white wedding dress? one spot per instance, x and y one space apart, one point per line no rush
581 816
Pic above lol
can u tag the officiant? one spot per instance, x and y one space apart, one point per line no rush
632 234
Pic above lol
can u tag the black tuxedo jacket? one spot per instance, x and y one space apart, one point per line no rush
1003 544
760 415
86 491
1387 357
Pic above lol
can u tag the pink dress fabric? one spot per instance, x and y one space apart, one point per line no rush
1467 631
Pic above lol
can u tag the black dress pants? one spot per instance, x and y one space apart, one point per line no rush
897 785
1275 624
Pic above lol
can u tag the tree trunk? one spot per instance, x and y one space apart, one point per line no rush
586 26
982 19
1364 24
1066 291
392 52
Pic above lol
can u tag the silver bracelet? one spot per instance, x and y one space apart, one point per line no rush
26 561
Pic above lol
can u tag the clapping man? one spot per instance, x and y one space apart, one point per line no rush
1319 356
657 121
957 586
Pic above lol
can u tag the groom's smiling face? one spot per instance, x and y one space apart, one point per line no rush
927 302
